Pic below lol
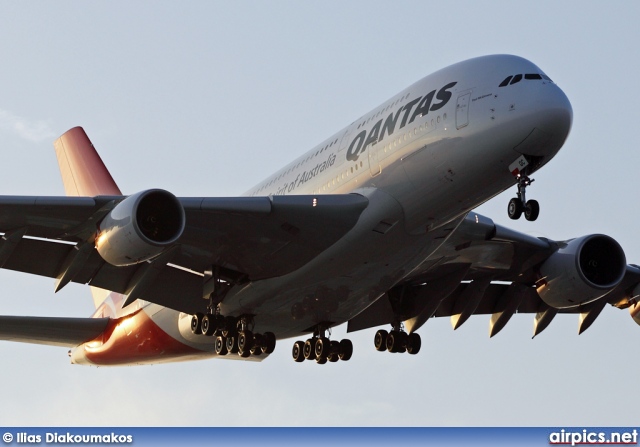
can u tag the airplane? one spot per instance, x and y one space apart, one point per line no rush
372 227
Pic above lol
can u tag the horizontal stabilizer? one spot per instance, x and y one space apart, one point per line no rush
55 331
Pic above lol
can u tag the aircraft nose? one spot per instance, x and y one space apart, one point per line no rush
560 113
552 116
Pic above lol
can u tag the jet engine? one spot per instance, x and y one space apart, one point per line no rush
581 271
140 227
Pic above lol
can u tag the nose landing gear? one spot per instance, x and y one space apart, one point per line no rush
519 205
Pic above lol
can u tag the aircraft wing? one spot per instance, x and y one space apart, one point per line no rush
245 238
487 269
55 331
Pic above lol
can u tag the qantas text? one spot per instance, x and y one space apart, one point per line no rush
376 133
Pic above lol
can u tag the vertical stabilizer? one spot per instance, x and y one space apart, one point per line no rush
84 174
82 169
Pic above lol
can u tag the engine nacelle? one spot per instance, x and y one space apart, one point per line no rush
581 271
140 227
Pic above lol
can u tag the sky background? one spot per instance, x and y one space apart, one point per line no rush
208 98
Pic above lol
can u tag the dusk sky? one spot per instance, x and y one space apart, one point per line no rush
208 98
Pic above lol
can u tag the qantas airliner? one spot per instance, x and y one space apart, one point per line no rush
372 227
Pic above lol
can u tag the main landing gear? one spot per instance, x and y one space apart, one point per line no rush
232 335
320 348
519 205
397 341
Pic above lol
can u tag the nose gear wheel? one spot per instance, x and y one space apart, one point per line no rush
519 205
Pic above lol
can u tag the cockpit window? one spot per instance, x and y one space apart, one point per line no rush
516 79
505 82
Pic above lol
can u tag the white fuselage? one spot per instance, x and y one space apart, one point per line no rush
424 159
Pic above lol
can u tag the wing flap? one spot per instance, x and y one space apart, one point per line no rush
55 331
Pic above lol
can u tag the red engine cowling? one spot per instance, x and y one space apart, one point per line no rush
140 227
581 271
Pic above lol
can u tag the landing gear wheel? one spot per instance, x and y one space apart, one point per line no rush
232 344
298 351
515 208
392 341
258 341
334 356
256 350
346 349
531 210
245 341
414 343
221 345
269 342
196 323
323 347
321 360
310 349
380 340
208 325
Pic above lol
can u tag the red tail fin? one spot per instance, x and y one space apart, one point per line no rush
84 174
82 169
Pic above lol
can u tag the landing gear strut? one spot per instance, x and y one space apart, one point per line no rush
519 204
320 348
232 334
397 340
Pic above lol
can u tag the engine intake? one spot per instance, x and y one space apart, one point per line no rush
140 227
581 271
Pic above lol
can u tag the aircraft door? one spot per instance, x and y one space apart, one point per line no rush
374 163
344 143
462 111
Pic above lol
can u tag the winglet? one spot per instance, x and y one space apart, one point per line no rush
82 169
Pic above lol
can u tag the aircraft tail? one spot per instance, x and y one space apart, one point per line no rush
83 171
84 174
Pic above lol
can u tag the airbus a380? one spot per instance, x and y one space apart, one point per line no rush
372 227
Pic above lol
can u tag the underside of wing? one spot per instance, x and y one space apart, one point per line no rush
67 332
106 241
486 269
